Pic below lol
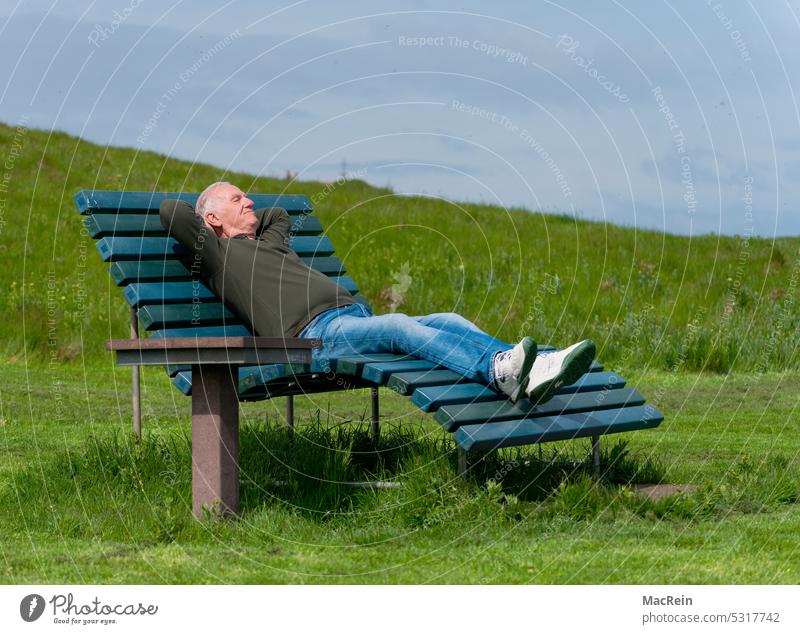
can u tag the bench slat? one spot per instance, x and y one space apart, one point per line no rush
432 398
253 379
451 417
228 330
406 382
129 271
93 201
380 372
105 225
115 249
310 384
142 294
345 281
160 316
256 377
330 265
429 399
352 366
527 431
248 376
126 272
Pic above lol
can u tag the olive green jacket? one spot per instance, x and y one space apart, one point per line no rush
263 281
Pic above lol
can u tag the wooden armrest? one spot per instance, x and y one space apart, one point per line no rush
233 343
216 350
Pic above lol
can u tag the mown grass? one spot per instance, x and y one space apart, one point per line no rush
647 298
82 501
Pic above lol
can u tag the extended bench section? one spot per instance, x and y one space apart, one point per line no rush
482 420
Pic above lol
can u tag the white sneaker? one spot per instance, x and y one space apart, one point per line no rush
555 369
512 368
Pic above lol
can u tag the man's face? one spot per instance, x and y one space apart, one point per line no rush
232 212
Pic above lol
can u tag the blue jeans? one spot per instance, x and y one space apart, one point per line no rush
446 339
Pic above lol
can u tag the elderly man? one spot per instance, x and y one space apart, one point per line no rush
243 256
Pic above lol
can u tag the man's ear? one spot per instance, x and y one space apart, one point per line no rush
213 221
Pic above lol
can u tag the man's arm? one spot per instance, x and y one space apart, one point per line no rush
274 225
188 228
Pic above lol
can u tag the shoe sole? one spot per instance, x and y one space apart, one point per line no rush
530 348
574 366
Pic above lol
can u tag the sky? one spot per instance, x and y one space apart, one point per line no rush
676 116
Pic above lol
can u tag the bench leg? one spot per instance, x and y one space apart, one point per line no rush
463 463
470 459
375 424
290 413
596 456
135 386
215 440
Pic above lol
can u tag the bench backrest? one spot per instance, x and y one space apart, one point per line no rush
152 271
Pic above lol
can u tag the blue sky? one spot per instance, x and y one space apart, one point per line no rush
680 116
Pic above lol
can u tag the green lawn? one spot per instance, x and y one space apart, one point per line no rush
82 503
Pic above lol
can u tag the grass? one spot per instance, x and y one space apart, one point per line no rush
648 299
82 501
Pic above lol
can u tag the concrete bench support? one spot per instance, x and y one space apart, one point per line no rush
215 440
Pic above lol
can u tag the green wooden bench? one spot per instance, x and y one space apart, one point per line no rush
156 281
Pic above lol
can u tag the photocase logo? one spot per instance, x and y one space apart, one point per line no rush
67 611
31 607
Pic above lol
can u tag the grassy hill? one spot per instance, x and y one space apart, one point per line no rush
647 298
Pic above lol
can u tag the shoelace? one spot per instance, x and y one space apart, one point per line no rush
501 365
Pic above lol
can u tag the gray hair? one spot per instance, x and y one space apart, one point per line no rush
205 201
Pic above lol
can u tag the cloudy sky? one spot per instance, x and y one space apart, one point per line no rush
680 116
